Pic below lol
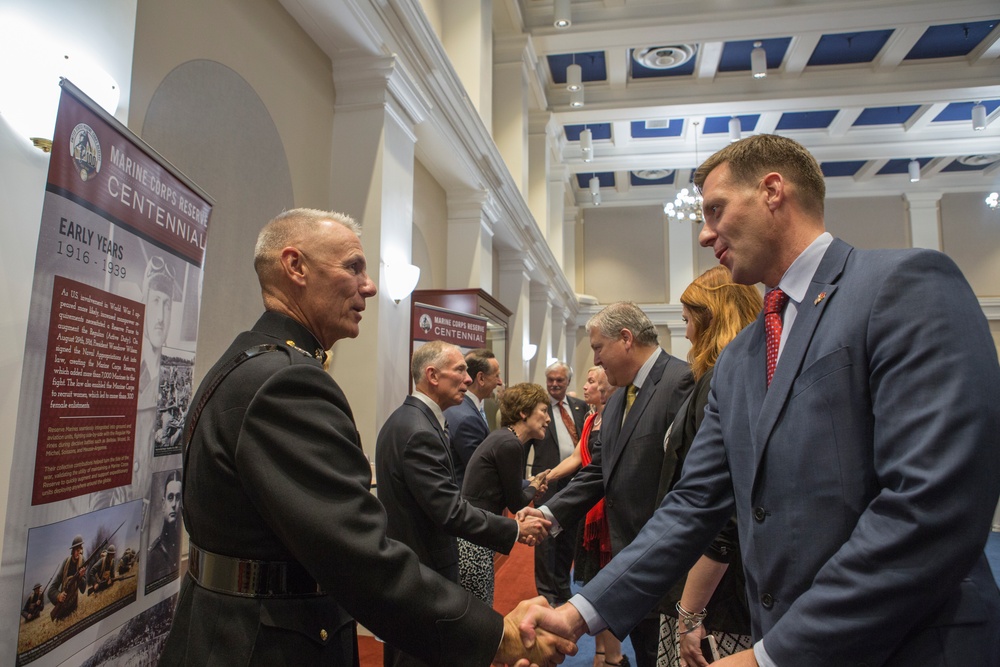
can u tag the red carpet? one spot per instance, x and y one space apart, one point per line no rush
515 581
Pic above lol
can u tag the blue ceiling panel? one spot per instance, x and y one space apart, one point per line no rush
901 166
607 179
849 47
592 63
640 131
963 111
638 182
720 124
597 130
944 41
736 55
886 115
959 166
806 120
640 71
846 168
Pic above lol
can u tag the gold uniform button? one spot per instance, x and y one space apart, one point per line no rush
323 635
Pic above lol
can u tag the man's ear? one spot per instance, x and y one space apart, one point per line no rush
773 185
293 265
627 337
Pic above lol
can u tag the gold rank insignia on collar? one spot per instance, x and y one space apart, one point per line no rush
319 354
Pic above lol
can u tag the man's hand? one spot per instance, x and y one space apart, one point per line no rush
529 511
532 530
546 649
690 644
540 482
565 622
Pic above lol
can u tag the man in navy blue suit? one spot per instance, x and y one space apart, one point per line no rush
862 459
467 424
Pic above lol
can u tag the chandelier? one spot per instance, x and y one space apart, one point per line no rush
687 205
993 201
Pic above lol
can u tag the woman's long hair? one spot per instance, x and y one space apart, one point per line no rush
720 309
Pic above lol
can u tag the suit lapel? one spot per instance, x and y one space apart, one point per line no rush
435 424
635 414
790 363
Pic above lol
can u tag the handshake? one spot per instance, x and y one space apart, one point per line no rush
535 634
532 525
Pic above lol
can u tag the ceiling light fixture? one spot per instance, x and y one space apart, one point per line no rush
978 116
574 76
595 190
688 204
758 61
735 129
563 18
914 169
587 144
576 99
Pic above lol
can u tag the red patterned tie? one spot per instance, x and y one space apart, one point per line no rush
774 303
568 421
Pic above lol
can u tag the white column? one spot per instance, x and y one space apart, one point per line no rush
472 217
540 330
924 210
539 160
510 105
681 237
376 111
514 294
572 220
468 39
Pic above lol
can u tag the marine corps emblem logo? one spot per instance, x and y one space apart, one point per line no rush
85 150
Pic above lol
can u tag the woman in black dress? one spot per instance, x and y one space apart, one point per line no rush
494 478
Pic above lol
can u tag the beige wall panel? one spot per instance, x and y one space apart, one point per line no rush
869 222
971 236
623 255
430 229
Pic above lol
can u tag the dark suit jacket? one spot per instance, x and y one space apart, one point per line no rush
864 479
275 472
416 483
547 449
467 430
625 469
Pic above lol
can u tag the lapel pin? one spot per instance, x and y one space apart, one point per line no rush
822 295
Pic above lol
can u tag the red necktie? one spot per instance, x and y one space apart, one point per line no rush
570 426
774 303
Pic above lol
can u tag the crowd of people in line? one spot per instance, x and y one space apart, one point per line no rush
813 486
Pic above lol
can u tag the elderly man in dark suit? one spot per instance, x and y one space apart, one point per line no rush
416 478
853 429
467 424
288 545
625 469
554 557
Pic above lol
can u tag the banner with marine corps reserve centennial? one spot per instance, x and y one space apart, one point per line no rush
93 529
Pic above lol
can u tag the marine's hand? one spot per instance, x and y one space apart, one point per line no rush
532 530
529 511
565 622
546 648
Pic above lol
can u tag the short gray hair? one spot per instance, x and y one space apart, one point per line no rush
288 228
429 354
558 365
624 315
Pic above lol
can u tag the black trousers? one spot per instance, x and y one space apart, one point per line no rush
646 641
553 561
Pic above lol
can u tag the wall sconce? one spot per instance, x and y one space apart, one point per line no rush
563 19
400 280
914 169
735 129
758 61
587 144
993 201
29 82
979 116
528 351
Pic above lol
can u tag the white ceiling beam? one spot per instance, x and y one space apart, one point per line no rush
617 62
844 121
870 169
899 44
707 65
988 49
799 52
923 117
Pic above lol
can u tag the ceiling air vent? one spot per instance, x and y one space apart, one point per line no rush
652 174
979 160
664 57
